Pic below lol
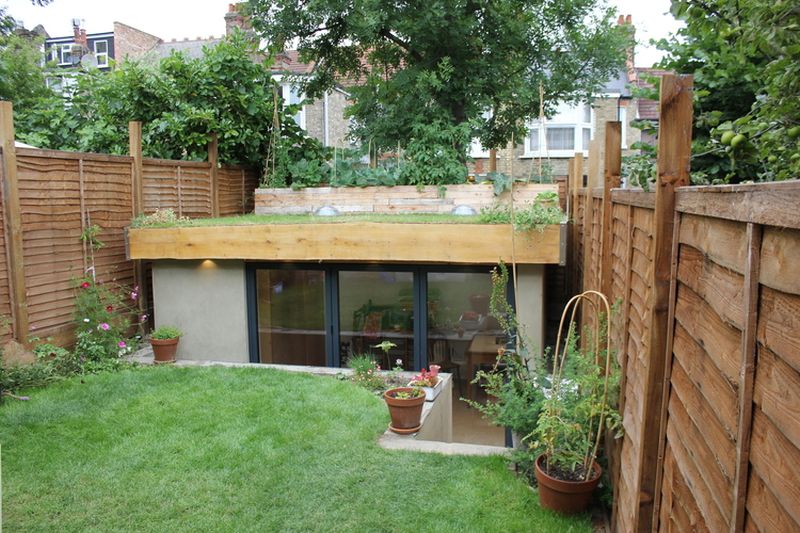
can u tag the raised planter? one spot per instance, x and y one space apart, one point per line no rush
389 200
431 392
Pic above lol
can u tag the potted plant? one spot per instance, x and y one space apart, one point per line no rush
405 408
575 412
164 341
429 381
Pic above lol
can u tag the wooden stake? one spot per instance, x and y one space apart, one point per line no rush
13 221
213 159
135 151
674 153
611 180
492 160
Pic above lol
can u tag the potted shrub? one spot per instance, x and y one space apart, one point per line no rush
164 341
429 381
405 408
575 412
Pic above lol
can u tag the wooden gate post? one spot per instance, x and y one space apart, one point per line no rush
611 180
674 157
13 225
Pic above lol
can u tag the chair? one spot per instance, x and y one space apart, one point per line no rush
439 354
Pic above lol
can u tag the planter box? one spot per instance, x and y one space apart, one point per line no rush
431 392
390 200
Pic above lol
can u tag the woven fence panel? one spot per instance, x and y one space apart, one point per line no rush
184 187
6 327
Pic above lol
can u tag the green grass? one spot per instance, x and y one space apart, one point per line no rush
215 449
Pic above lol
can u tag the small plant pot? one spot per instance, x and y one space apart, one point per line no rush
406 413
565 497
164 350
431 392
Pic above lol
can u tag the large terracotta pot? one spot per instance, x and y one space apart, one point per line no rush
567 497
406 413
164 349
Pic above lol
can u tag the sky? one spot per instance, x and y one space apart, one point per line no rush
180 19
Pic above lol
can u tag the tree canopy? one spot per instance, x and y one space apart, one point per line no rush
743 54
457 63
180 101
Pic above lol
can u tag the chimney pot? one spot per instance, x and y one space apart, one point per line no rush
628 19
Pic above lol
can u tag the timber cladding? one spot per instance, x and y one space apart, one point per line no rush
730 430
60 195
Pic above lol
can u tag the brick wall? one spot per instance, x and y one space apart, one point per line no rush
132 43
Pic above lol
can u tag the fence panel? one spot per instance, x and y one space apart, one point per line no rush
236 188
182 186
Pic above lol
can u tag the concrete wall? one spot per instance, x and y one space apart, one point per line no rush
206 300
530 303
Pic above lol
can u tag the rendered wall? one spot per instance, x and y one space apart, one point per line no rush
530 303
206 300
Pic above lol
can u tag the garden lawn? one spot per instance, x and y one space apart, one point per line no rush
238 449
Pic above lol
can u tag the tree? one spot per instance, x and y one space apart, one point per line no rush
451 62
180 102
743 54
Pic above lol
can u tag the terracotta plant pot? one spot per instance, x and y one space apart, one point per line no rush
566 497
164 350
406 413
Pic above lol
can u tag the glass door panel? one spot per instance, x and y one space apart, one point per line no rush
291 316
376 307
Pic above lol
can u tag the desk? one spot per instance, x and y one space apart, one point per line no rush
482 349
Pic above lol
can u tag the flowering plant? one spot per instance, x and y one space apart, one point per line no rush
426 378
103 316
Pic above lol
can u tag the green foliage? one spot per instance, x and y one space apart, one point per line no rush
421 65
577 406
743 55
639 169
21 76
103 314
535 216
159 218
180 101
366 372
434 155
90 236
166 333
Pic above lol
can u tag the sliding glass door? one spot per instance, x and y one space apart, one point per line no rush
291 316
376 306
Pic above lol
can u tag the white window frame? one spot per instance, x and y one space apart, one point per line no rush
567 116
623 118
286 94
101 57
64 48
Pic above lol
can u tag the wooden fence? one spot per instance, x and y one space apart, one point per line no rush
50 197
707 335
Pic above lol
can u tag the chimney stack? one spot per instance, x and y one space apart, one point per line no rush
235 20
630 65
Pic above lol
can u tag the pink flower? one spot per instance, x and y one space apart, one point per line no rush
143 317
104 326
85 285
122 344
134 295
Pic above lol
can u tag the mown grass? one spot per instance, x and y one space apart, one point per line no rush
215 449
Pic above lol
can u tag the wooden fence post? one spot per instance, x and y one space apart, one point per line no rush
135 151
13 222
612 171
674 155
213 159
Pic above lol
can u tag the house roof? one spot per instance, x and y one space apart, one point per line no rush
289 61
191 49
